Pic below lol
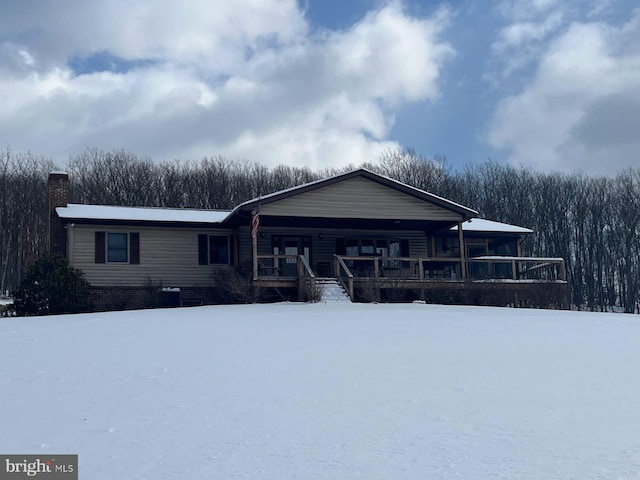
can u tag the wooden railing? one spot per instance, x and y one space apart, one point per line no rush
305 274
278 266
345 277
450 268
348 268
517 268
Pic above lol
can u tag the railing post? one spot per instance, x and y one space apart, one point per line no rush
376 268
254 247
463 252
351 288
563 271
420 269
514 273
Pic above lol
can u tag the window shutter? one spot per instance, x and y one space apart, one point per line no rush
203 253
404 251
404 247
99 247
134 247
341 248
232 249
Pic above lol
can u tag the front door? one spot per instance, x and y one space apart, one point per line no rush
292 246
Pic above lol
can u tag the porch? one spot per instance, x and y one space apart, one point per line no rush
499 280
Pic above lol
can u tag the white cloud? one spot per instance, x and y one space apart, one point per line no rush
519 10
245 79
580 109
517 34
519 44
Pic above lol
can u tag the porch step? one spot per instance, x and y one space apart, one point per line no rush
332 291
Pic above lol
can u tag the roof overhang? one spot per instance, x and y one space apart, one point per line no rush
340 223
490 227
145 216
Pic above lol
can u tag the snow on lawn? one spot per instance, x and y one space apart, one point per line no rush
326 391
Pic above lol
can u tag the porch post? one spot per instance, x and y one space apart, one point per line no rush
563 271
463 252
254 247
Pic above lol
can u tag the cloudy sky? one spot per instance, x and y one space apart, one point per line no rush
551 84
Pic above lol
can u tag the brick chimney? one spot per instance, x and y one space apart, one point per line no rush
58 191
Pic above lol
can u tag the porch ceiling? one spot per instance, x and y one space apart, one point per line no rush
354 223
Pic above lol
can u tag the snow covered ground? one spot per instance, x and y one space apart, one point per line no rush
326 392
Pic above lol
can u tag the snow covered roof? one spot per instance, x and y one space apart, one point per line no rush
143 214
489 226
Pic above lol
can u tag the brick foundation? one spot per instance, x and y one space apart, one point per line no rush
132 298
499 294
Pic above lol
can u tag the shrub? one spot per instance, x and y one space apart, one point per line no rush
52 286
235 286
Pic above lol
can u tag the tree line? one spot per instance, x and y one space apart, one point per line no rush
593 222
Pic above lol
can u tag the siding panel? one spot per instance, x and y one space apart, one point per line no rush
358 198
169 256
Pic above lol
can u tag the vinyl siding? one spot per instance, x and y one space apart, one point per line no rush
358 198
169 256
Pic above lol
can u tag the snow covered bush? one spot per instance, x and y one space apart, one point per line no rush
52 286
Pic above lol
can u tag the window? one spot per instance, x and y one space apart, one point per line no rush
353 247
214 250
219 249
366 247
117 247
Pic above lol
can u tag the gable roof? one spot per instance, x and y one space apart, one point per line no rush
365 173
107 213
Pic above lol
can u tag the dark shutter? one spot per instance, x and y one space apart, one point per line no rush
99 247
404 247
341 247
404 251
232 249
134 238
203 249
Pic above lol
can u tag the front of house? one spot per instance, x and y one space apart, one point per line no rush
374 236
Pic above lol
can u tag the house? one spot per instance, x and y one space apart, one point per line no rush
378 238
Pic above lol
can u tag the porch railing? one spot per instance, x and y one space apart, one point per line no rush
440 268
517 268
345 277
305 274
350 268
278 266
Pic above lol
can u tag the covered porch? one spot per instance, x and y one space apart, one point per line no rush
487 279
